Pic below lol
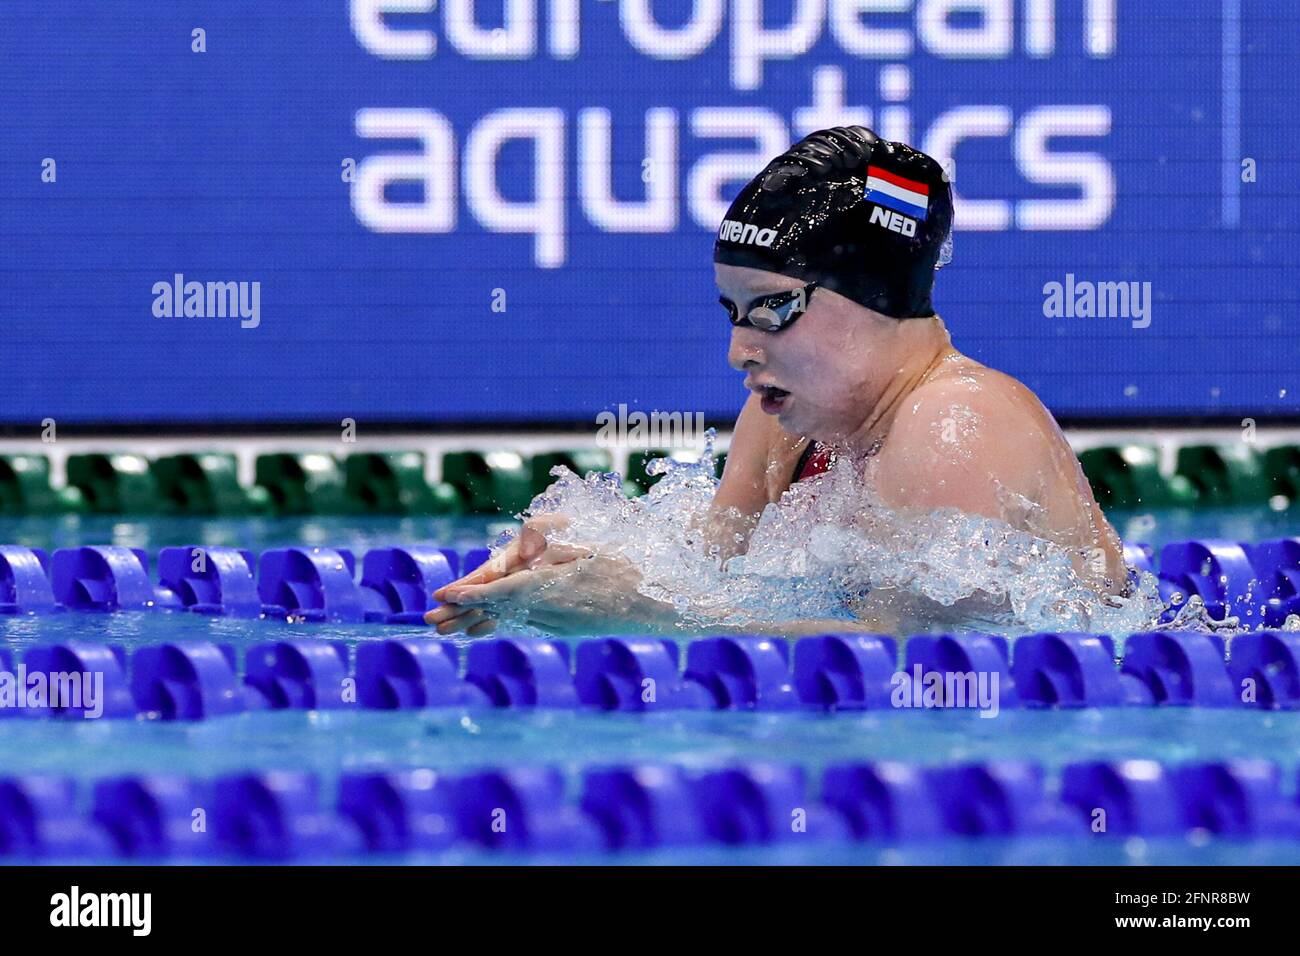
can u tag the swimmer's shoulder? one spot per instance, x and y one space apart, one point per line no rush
965 425
963 393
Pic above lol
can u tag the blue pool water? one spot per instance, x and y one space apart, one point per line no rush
333 742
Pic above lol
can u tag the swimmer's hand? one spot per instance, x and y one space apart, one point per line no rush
530 549
594 593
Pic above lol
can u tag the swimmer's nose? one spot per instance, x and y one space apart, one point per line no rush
746 351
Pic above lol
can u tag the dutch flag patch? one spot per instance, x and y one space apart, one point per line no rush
894 192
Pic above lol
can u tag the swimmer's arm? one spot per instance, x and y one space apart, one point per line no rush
600 595
740 496
743 479
742 492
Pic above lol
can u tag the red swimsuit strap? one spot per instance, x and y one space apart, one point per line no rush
816 458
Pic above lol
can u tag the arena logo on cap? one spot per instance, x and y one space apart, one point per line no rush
747 234
894 192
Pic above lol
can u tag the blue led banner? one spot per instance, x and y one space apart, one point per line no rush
409 211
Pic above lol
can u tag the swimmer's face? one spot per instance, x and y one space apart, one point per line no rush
820 375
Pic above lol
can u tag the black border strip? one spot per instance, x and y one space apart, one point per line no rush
657 907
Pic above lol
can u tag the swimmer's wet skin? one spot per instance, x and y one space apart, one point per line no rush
825 263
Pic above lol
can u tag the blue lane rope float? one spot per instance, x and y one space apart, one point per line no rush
309 583
282 815
195 680
1258 583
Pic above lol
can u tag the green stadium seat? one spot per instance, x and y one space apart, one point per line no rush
393 483
202 483
1128 476
116 483
491 482
1231 474
302 483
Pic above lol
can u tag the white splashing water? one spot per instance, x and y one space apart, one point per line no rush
825 545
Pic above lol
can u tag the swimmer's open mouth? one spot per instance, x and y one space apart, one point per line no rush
773 398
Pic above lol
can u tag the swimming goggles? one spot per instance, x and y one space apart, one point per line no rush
772 313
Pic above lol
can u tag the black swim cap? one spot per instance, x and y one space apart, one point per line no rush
867 218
